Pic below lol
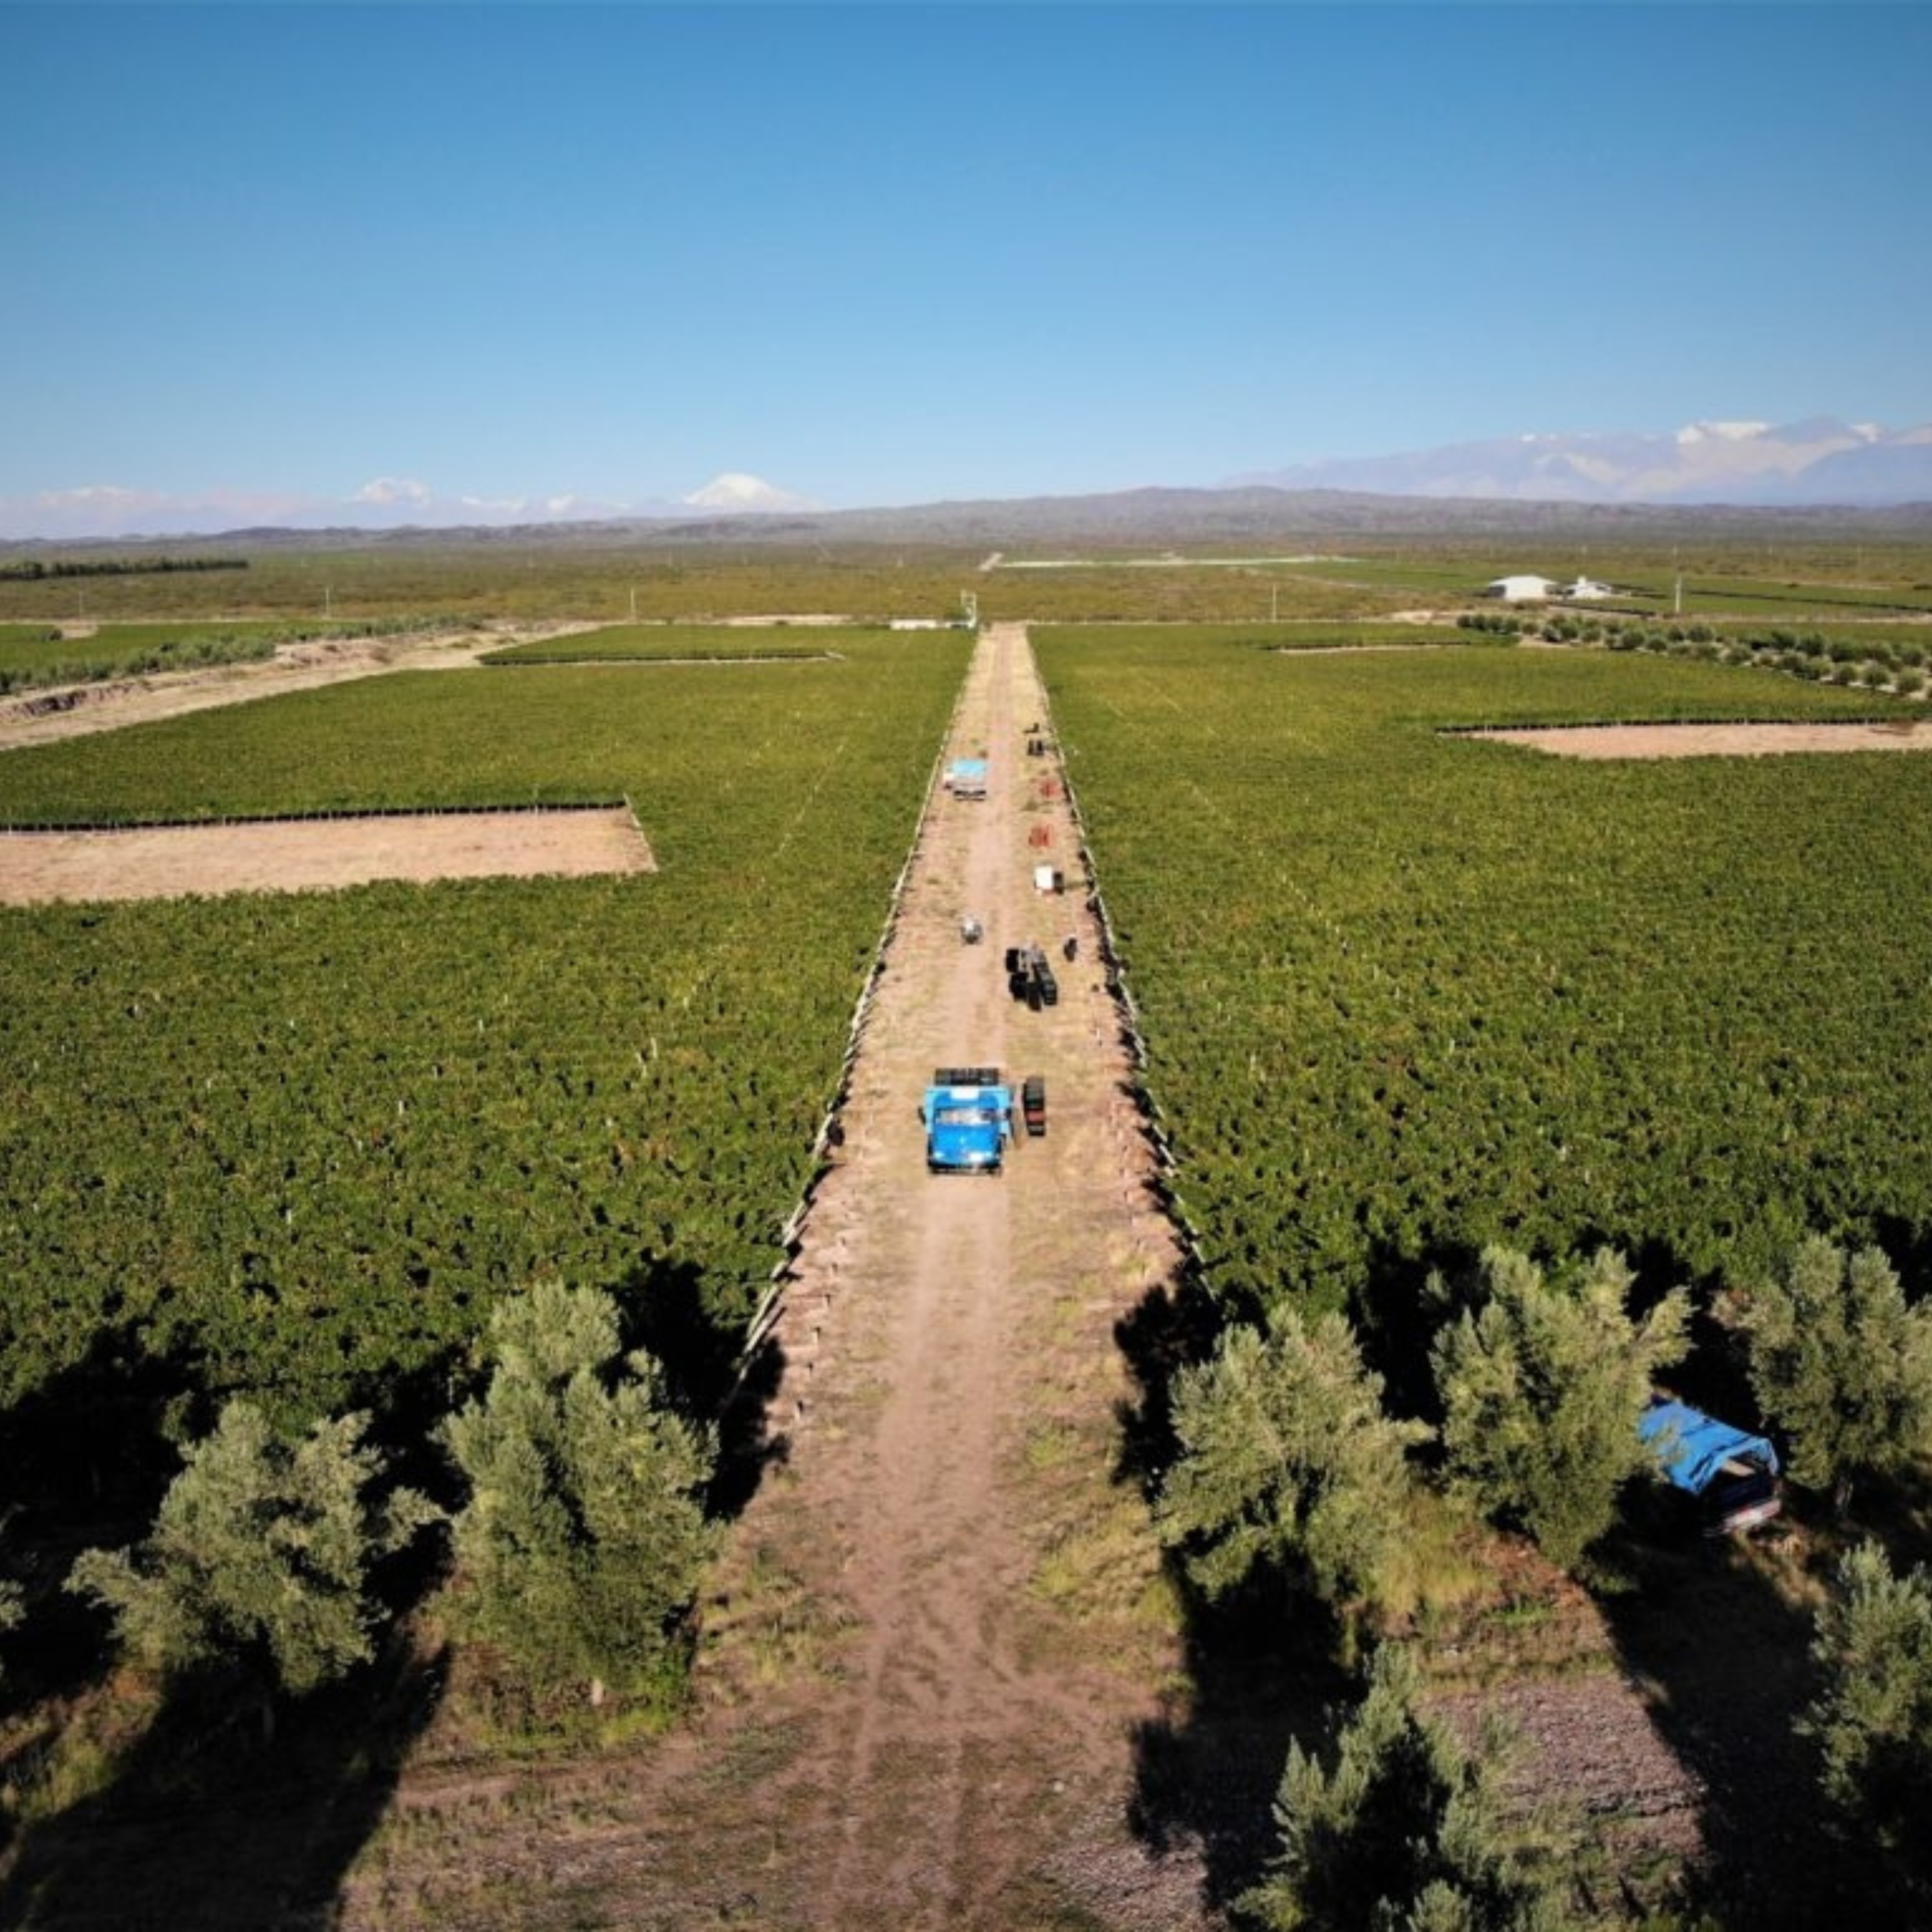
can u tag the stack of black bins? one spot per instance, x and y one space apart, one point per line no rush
1029 978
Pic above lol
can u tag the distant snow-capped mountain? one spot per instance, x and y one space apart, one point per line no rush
734 490
1820 461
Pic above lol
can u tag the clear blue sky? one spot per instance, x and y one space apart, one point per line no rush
889 254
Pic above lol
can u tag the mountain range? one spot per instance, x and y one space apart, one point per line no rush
1713 470
1818 461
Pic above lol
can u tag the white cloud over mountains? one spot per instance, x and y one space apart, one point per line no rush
387 491
104 511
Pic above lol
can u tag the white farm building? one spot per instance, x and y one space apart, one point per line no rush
1522 590
1544 589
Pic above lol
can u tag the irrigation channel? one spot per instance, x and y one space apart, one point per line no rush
937 1628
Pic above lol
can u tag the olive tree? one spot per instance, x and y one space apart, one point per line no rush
260 1553
584 1534
1872 1718
1288 1461
1542 1383
1841 1365
1402 1830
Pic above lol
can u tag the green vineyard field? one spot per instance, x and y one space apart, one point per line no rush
299 1145
648 643
1404 994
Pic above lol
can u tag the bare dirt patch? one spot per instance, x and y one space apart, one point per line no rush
1717 741
42 717
305 855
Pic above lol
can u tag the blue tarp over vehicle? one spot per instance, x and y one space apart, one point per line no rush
1692 1447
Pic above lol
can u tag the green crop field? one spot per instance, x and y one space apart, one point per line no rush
1404 994
661 644
299 1145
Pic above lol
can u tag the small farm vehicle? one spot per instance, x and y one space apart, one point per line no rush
1732 1476
1030 977
966 777
968 1112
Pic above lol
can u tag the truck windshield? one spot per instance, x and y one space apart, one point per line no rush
964 1117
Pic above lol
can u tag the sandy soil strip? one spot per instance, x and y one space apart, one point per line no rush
41 717
1717 741
170 862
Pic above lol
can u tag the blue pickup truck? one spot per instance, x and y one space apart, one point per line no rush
968 1112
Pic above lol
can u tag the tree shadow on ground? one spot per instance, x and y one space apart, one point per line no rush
84 1461
1722 1654
1174 1327
211 1825
1260 1665
709 1375
1262 1673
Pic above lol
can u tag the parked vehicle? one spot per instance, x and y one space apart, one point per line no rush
1033 1103
968 1113
1732 1475
1029 977
966 777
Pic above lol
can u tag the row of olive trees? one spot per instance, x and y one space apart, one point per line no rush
1287 1456
1289 1466
1396 1823
578 1545
1879 663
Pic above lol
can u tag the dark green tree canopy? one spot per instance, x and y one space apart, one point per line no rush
1872 1718
262 1548
1841 1365
584 1535
1402 1830
10 1616
1542 1383
1288 1461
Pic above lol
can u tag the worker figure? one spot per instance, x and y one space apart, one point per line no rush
1070 950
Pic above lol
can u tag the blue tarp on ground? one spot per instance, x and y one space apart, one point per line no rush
1693 1447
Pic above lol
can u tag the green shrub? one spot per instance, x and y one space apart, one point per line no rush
1288 1462
1402 1827
1871 1720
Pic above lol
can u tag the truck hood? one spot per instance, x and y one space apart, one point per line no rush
966 1143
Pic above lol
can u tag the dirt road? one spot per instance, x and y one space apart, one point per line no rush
936 1321
940 1619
